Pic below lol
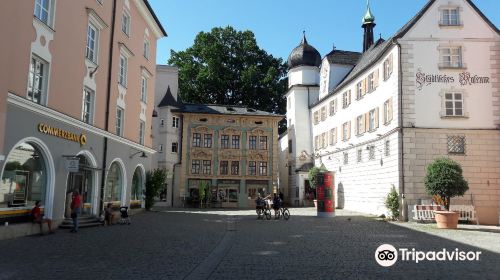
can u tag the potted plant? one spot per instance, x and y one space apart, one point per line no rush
444 179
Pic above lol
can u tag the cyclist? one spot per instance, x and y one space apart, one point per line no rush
259 205
276 205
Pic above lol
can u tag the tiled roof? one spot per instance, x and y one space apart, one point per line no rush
223 110
343 57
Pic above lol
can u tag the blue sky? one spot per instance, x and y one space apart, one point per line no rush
278 24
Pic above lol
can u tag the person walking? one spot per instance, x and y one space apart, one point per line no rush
76 208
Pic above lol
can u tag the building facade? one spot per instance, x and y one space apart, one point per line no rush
381 116
77 101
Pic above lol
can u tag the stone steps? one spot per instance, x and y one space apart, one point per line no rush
86 221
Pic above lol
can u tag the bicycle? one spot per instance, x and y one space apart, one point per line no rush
262 212
284 212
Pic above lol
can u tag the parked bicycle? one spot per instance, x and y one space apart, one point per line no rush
284 213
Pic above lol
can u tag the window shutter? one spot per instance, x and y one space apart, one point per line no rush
375 79
390 110
390 64
376 117
367 121
349 130
349 97
363 86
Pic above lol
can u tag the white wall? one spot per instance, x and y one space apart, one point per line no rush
283 168
303 75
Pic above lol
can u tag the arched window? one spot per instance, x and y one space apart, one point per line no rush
137 183
114 183
24 179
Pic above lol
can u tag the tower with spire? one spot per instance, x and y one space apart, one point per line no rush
368 25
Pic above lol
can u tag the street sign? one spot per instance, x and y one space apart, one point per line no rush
72 165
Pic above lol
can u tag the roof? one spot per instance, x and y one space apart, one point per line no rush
343 57
304 55
169 100
223 110
155 18
305 167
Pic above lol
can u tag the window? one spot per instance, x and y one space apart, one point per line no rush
450 17
252 168
456 144
114 183
290 146
360 125
388 111
359 90
360 155
235 143
252 143
37 80
323 113
371 152
235 167
160 148
324 141
175 147
144 89
195 166
137 185
126 23
162 122
316 117
263 142
371 82
333 136
88 106
263 168
122 75
346 158
450 57
346 99
333 107
196 140
224 142
316 142
454 104
42 9
387 148
92 43
142 127
119 121
207 167
388 67
175 122
145 51
373 119
207 141
224 167
346 131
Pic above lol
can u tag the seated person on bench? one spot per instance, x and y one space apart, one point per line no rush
39 219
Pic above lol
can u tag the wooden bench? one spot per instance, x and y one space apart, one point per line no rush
426 212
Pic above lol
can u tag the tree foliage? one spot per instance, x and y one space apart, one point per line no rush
392 203
227 67
444 178
312 175
155 181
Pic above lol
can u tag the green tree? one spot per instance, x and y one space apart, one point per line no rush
444 178
155 181
226 66
392 202
312 175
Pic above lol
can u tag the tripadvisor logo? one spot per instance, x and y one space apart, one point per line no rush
387 255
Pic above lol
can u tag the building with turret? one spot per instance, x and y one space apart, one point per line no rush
379 117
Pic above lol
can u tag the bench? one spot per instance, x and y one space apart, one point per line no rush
426 212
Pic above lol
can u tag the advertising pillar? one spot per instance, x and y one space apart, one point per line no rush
325 194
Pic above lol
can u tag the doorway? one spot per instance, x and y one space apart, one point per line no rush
81 181
228 197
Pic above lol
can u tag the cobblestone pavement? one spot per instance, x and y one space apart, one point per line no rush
185 244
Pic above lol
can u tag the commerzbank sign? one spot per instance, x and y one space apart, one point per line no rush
63 134
463 79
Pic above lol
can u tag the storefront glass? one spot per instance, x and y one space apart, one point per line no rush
24 178
114 183
137 183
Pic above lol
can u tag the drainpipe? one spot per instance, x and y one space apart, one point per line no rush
404 212
106 117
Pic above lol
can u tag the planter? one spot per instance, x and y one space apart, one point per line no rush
446 219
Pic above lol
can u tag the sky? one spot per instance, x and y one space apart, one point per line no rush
278 24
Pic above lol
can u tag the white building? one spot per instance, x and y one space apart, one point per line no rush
378 118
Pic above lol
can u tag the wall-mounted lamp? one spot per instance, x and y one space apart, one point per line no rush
143 155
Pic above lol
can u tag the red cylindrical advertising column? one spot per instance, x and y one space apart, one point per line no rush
325 194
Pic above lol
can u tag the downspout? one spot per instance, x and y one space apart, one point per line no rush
106 117
404 210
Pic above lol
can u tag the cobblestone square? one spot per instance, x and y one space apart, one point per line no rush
199 244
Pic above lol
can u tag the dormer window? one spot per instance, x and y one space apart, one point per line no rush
450 17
